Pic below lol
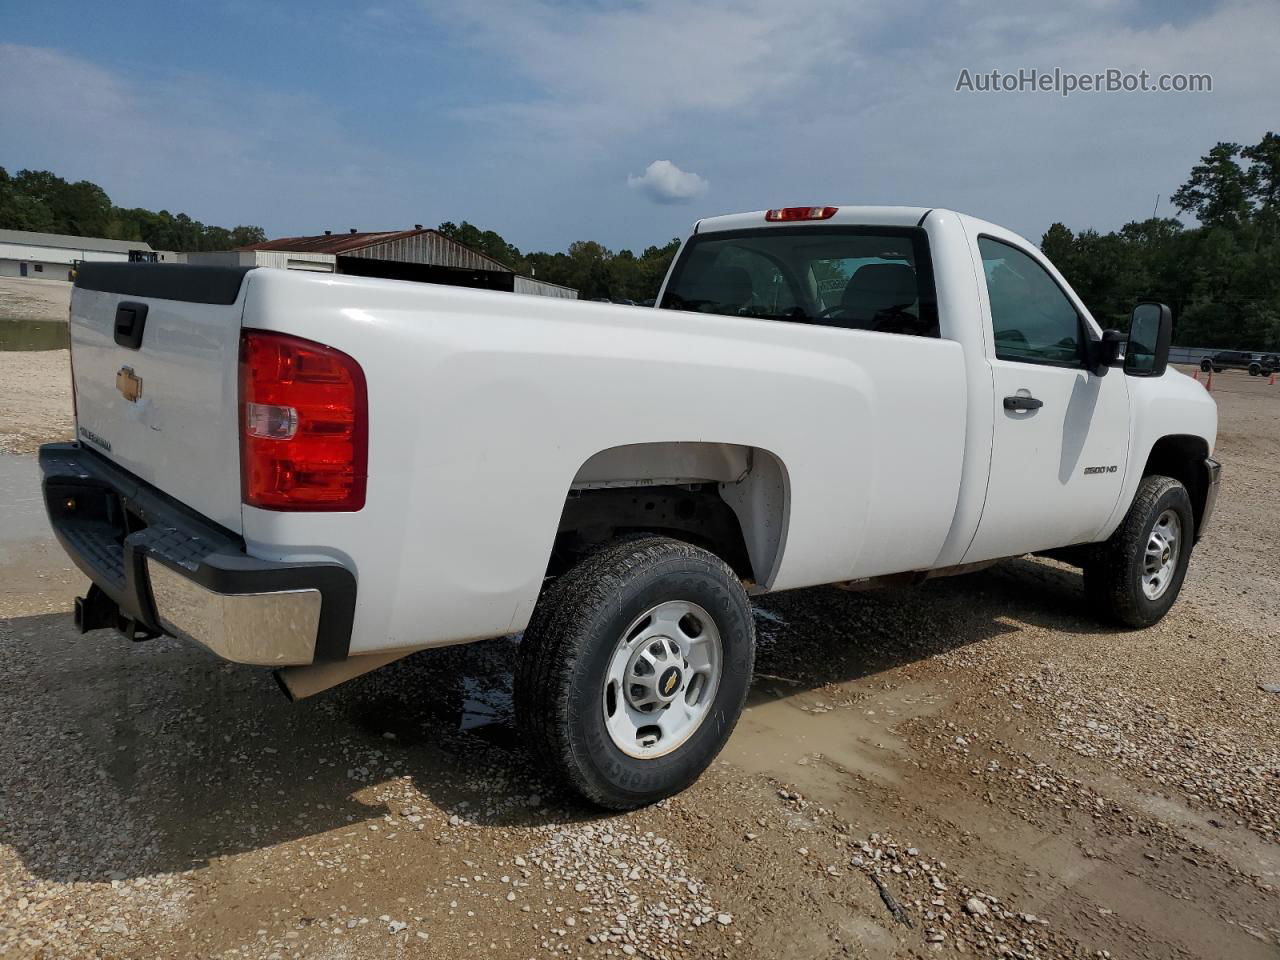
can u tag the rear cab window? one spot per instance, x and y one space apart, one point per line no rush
855 278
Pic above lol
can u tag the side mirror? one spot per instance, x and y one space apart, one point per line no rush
1150 333
1107 352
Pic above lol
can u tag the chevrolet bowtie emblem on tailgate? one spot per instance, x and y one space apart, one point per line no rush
129 384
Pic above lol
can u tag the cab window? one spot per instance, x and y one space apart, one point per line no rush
857 278
1033 320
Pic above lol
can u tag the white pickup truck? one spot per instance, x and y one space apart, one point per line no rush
323 474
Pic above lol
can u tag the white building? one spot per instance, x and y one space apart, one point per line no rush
52 256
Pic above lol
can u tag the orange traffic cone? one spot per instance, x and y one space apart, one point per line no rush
1272 381
1208 382
1196 376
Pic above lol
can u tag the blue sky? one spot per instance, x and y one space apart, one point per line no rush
540 119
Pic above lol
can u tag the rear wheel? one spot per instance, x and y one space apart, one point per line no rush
1135 576
1254 370
1206 366
633 671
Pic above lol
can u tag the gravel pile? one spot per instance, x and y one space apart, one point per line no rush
70 888
949 914
640 892
1214 767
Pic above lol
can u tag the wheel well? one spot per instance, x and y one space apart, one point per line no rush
727 498
1182 457
694 513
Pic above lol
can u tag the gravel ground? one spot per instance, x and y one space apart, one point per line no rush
970 768
35 404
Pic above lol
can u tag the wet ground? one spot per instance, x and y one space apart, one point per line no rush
972 767
33 335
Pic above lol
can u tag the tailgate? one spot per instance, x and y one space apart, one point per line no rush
164 409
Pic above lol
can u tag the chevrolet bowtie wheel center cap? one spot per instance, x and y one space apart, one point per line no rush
655 675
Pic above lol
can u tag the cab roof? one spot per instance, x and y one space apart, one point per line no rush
860 215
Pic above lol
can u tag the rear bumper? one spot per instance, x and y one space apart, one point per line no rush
159 567
1213 483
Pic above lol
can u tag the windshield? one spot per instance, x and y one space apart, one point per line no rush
862 278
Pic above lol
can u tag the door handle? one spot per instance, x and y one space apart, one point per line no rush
1022 403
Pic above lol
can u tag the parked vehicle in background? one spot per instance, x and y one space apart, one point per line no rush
325 476
1258 364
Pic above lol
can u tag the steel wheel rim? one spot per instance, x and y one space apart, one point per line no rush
1160 559
662 679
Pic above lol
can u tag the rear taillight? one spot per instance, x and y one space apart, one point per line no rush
304 425
800 213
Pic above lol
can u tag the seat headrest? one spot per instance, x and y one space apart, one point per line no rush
879 286
729 286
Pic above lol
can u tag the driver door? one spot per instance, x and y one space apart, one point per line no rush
1061 434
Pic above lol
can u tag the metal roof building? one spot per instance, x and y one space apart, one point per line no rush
419 254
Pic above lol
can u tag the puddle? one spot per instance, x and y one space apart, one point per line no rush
34 571
486 702
33 335
797 735
470 692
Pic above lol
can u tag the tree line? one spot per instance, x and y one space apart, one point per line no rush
591 268
42 201
1222 278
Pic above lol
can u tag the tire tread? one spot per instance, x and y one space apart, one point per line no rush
1109 586
557 636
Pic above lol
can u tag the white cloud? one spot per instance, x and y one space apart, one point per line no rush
220 152
777 103
664 182
597 71
855 103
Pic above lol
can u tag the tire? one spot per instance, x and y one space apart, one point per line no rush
1205 366
1254 370
1114 573
568 661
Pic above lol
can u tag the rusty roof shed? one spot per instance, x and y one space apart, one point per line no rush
417 246
419 254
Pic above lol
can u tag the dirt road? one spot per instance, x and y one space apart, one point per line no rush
973 767
28 298
35 403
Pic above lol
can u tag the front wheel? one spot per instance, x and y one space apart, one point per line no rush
1134 577
634 668
1255 370
1205 366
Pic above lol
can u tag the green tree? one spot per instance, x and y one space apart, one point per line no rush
1222 278
1263 179
1217 192
18 210
1058 244
40 200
